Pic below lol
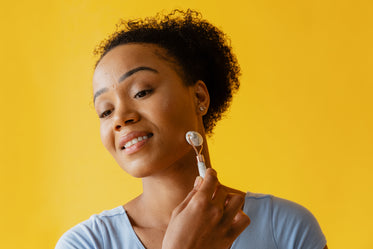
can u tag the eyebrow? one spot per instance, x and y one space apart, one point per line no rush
123 77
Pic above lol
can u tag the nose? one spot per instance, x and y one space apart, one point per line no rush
124 117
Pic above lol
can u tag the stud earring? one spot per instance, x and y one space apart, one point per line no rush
202 108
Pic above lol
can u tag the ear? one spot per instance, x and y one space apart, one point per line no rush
202 97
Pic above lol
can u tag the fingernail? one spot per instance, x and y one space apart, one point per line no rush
197 182
213 172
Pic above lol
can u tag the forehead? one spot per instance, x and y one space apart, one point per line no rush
123 58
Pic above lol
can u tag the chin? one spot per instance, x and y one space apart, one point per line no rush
148 161
139 168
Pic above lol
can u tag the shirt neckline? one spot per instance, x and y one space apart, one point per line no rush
130 228
137 239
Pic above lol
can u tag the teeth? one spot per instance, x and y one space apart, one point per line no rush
134 141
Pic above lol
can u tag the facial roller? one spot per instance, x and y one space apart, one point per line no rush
195 139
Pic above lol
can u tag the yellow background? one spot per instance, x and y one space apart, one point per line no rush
300 128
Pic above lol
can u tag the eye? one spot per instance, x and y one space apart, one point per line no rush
143 93
105 114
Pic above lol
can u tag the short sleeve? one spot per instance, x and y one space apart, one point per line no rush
294 227
85 235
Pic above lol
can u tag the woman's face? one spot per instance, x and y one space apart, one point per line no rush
145 109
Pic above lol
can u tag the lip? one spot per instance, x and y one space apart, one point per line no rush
131 135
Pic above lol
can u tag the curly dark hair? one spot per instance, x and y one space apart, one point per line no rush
202 51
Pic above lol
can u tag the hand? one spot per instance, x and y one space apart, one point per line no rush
209 217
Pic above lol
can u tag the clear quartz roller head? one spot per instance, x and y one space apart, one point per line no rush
195 139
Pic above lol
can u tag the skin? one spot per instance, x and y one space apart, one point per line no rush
137 90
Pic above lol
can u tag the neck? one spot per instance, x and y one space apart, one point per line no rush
163 192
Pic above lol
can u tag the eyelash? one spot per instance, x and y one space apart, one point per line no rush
105 114
138 95
143 93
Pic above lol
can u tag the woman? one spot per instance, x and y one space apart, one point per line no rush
155 80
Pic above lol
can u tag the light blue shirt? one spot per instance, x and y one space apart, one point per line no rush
275 224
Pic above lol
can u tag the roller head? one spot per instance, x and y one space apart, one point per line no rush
194 138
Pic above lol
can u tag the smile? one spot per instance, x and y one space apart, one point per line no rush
136 140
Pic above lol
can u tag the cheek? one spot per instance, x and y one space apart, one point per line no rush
176 115
106 136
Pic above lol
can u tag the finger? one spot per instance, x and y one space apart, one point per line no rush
209 184
233 206
240 222
220 195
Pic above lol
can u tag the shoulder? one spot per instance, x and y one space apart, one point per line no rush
281 211
295 222
290 212
286 223
94 232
